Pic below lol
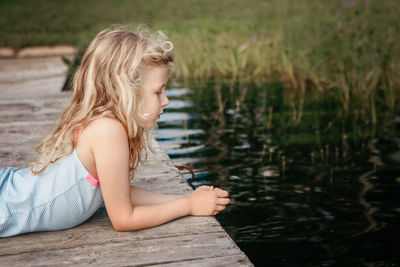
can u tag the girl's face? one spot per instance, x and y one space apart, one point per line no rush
154 80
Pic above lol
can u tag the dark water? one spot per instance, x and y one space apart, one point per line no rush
322 191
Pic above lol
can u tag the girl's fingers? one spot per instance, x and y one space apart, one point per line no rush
204 187
221 193
223 201
220 208
207 188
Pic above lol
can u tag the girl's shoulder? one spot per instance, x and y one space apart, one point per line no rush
105 127
104 135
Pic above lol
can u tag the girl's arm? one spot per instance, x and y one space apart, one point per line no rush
140 196
109 146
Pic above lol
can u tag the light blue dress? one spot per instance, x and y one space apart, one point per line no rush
63 196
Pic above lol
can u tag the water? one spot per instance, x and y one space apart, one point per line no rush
323 191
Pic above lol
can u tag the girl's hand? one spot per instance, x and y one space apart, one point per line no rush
205 188
207 200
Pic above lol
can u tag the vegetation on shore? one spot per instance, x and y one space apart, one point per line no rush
345 50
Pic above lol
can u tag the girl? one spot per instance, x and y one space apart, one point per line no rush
119 92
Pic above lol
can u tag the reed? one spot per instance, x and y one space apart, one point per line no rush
346 51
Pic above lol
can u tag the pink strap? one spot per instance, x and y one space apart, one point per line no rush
89 178
77 133
92 180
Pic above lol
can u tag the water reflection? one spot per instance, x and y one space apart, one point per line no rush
181 143
177 133
176 147
177 104
178 92
299 196
176 118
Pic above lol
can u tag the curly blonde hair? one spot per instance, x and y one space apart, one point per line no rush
108 84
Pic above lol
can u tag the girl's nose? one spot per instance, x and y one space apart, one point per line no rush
165 101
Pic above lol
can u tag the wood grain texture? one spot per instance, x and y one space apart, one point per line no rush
30 104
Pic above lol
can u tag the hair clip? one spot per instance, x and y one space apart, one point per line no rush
167 46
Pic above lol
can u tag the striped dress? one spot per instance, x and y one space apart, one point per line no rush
63 196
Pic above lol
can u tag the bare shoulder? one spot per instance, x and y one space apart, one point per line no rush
108 143
105 136
106 128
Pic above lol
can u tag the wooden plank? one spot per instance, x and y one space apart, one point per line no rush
30 103
32 69
141 252
225 261
99 232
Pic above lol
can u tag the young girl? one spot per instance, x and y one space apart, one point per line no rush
119 92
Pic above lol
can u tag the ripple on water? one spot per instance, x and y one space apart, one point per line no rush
175 92
177 133
186 160
179 104
269 171
174 150
176 117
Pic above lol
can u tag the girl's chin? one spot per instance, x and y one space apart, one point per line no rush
148 124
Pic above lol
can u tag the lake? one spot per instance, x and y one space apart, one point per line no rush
309 186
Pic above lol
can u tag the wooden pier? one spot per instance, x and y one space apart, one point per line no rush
30 104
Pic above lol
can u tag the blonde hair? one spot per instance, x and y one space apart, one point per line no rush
107 84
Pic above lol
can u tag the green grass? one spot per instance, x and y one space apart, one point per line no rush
25 23
346 50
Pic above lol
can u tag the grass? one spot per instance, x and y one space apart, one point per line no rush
25 23
346 50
